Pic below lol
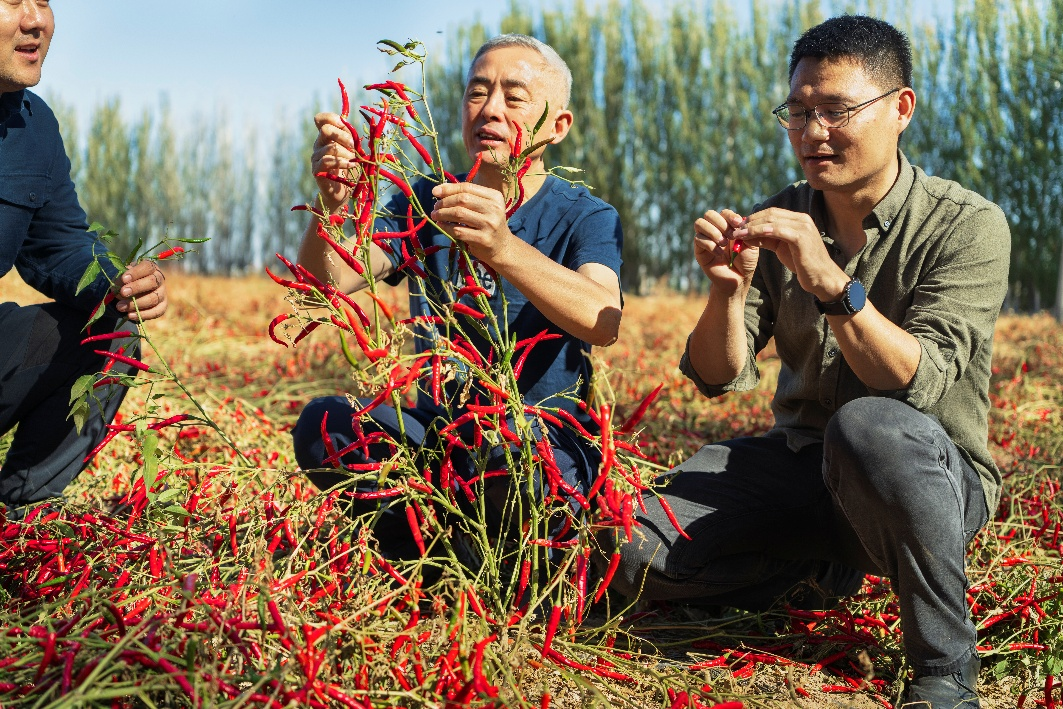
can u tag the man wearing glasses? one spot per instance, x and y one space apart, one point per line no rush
881 287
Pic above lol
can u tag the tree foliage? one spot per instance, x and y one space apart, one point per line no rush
672 112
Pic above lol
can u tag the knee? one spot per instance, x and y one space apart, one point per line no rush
872 429
871 448
306 436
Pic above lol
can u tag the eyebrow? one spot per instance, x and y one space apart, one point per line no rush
830 98
507 83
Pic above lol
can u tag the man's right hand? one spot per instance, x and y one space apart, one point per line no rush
713 249
334 153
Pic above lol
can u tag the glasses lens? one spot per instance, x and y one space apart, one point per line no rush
833 115
786 118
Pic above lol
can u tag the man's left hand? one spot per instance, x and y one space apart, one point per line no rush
474 215
794 238
145 284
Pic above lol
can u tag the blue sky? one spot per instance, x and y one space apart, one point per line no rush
249 56
251 59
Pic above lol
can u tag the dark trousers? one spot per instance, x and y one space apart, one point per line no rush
886 493
576 461
40 358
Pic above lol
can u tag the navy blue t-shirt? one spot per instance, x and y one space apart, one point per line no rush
567 224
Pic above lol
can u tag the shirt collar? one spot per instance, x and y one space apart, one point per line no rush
885 213
890 206
12 102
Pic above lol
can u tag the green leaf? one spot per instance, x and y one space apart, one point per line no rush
150 451
169 494
175 510
81 387
116 262
97 228
1001 669
134 253
89 276
393 44
80 414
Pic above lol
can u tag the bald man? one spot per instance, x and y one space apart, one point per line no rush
556 261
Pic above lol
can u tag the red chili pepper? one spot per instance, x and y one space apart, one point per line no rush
520 188
347 256
475 168
633 421
108 336
551 628
273 326
671 517
417 146
337 179
403 186
135 363
171 252
614 563
415 528
303 287
345 106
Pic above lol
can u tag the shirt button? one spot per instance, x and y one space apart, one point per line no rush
828 402
832 353
886 224
33 196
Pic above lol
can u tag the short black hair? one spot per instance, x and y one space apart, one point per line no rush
882 49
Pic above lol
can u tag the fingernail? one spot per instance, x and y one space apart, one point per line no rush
127 291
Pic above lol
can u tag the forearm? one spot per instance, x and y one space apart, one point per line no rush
718 348
881 354
578 304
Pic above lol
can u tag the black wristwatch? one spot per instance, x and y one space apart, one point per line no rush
853 299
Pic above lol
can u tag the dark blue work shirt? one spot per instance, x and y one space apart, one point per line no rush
568 225
43 230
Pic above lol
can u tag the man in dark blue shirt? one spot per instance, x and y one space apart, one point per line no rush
44 235
556 260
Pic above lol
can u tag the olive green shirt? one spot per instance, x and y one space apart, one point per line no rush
936 264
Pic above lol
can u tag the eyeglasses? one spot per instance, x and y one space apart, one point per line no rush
794 116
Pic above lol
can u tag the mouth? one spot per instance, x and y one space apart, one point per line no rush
490 138
30 51
819 160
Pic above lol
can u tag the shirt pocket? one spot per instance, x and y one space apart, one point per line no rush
30 191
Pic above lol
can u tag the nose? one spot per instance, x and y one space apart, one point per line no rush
33 17
494 106
814 130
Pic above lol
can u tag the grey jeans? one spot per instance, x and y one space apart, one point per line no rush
886 493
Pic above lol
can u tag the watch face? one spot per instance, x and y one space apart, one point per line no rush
856 295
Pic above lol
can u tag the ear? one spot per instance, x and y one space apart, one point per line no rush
905 108
562 125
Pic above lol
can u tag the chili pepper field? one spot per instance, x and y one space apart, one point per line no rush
193 565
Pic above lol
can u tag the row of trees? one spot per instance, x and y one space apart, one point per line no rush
673 117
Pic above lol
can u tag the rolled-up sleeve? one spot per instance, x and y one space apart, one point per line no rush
759 321
955 305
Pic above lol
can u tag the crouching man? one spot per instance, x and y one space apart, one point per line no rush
556 260
881 287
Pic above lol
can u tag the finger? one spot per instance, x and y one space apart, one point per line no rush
459 214
141 303
148 283
138 270
328 118
732 218
328 162
448 189
709 229
143 314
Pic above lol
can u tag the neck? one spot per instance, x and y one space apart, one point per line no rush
847 209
